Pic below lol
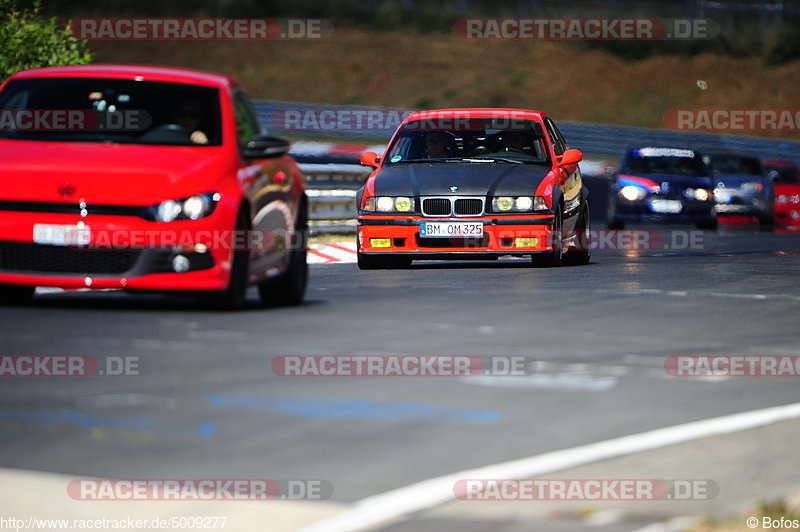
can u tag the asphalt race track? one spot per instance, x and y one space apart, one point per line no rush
207 404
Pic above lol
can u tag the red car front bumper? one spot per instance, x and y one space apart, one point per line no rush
507 235
123 252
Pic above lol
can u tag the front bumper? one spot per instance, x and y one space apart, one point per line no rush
124 252
643 210
499 238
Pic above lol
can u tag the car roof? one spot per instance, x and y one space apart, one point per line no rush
475 112
138 72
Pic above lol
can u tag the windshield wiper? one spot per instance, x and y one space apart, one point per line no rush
492 160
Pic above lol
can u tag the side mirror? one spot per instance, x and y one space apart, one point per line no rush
571 157
370 158
266 147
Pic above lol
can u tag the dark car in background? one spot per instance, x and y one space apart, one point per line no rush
662 185
741 187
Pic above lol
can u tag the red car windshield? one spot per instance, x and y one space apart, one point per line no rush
110 110
417 142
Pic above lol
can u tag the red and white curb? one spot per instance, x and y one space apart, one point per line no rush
331 253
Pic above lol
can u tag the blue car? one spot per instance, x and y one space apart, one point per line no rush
670 185
741 187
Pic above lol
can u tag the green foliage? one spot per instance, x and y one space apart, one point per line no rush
28 40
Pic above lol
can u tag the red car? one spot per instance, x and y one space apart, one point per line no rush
786 177
474 184
145 178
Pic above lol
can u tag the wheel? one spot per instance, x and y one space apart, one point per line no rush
766 220
15 294
582 254
233 297
556 256
372 262
289 288
611 216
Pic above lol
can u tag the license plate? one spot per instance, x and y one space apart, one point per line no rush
451 229
61 235
666 206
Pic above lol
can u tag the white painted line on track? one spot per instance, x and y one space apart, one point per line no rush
394 504
701 293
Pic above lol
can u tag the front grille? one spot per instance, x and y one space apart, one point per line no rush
75 208
28 257
469 207
436 207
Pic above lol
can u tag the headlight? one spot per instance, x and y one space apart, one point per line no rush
403 204
518 204
389 204
191 208
632 193
523 203
752 187
502 204
699 194
385 204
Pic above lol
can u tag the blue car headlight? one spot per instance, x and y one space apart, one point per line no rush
632 193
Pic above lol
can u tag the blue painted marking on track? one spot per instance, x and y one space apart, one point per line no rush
354 409
144 422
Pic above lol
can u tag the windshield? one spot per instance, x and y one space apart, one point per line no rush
416 143
665 161
734 164
110 110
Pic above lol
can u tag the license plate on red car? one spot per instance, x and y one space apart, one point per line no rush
61 235
451 229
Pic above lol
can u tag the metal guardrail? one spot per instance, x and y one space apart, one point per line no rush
331 190
595 140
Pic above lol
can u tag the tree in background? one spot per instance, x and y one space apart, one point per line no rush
28 40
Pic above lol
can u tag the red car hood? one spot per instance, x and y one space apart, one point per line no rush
109 174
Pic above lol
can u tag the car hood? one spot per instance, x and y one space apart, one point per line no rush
472 179
737 180
112 174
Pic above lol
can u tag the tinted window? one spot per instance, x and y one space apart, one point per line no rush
113 110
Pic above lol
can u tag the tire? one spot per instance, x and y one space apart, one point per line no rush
233 297
583 254
611 216
12 295
766 220
289 288
371 262
555 257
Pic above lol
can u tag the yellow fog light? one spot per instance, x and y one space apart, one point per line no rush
380 242
526 242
